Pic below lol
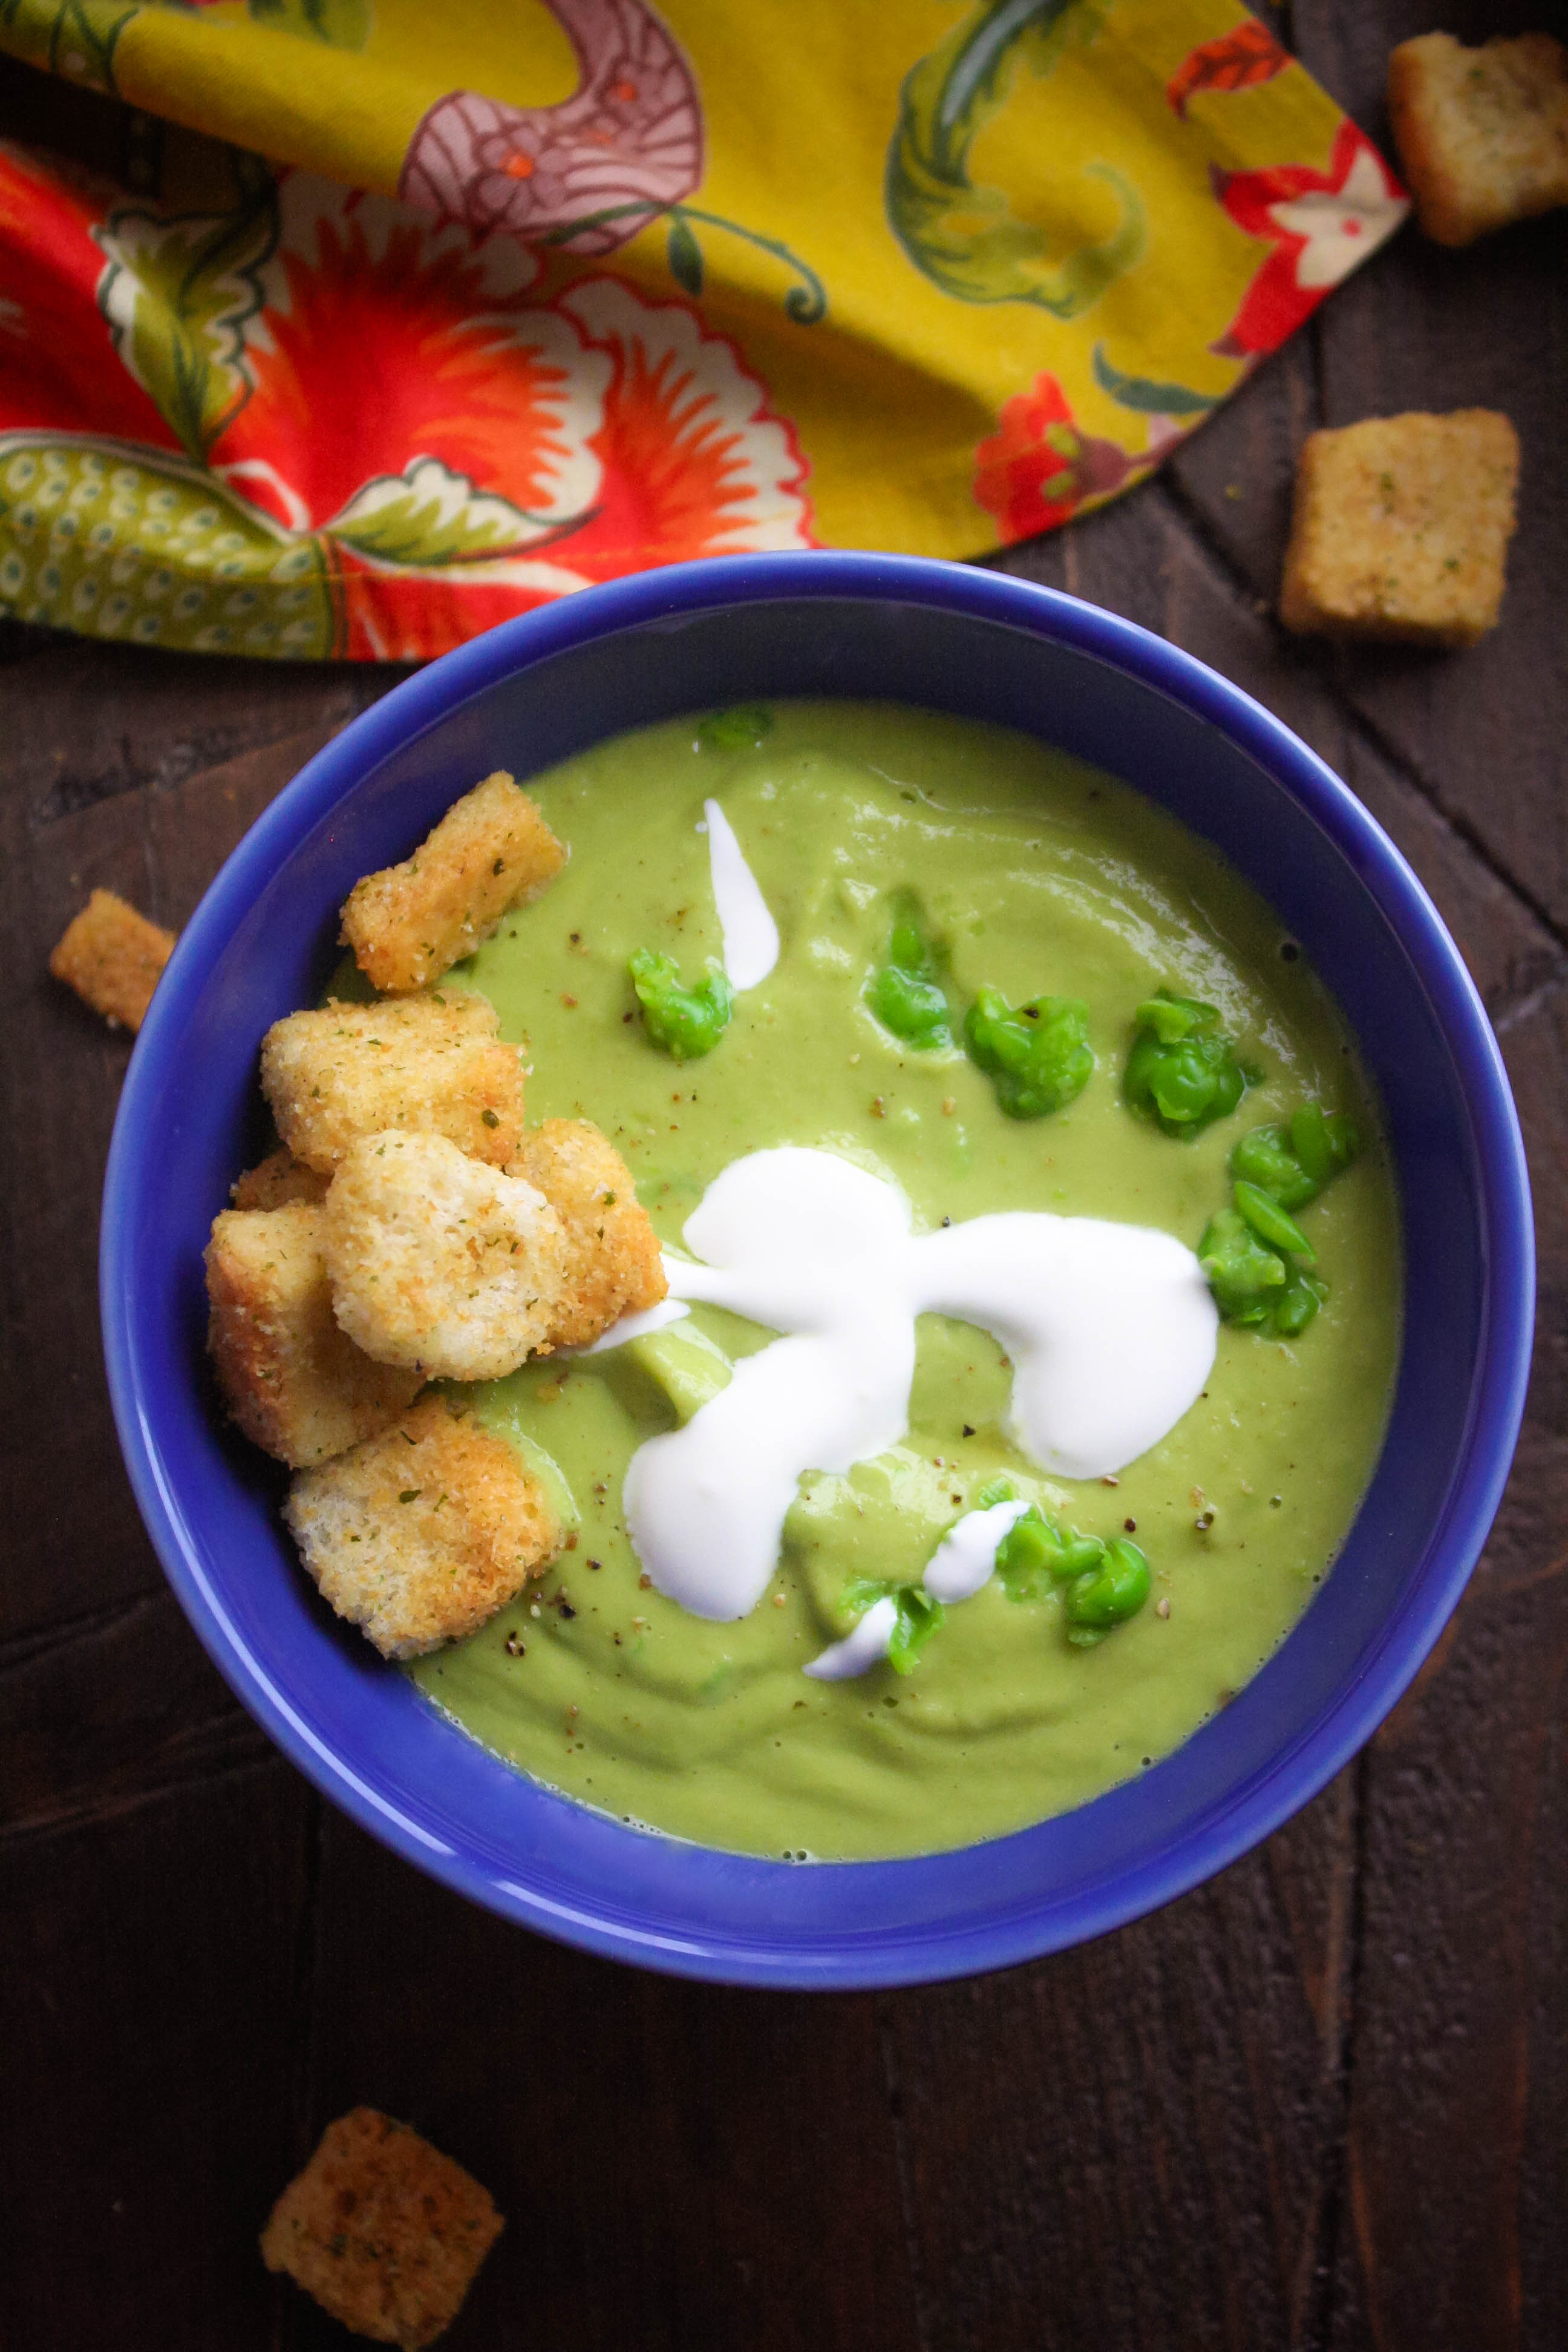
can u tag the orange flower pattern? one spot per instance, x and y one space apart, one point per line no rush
1038 469
364 436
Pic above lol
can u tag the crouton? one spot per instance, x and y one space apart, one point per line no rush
279 1180
433 1063
386 2231
293 1379
420 1534
1482 133
1401 526
112 957
439 1263
613 1263
410 923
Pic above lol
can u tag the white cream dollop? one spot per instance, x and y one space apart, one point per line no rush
860 1651
1110 1329
962 1561
750 934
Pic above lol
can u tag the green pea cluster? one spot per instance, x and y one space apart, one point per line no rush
685 1023
1038 1056
1103 1583
1255 1254
1182 1071
905 992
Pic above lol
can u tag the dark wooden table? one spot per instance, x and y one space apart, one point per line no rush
1322 2102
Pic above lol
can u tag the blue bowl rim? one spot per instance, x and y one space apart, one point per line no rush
422 701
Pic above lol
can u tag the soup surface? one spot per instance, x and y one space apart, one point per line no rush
1034 875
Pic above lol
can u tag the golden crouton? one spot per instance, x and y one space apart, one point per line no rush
1482 133
279 1180
386 2231
410 923
294 1383
112 957
439 1263
613 1264
434 1063
419 1535
1401 528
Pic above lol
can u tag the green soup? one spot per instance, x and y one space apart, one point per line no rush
1036 874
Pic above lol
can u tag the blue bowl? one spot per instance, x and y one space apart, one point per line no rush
532 692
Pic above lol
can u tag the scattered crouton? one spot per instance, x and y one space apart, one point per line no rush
419 1535
293 1379
1401 529
410 923
386 2231
278 1181
1482 133
613 1264
439 1263
431 1062
112 957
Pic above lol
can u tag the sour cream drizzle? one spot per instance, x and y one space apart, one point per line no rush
1110 1329
962 1565
750 934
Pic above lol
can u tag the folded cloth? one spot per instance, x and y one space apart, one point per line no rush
528 296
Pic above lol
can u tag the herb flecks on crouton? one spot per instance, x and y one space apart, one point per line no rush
439 1263
613 1264
112 957
410 923
386 2231
277 1183
1482 133
432 1063
1401 529
421 1534
291 1377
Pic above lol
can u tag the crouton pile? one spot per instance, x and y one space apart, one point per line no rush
386 2231
411 1229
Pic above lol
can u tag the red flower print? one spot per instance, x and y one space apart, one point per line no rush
57 364
694 461
387 338
1320 225
1237 60
367 436
1038 469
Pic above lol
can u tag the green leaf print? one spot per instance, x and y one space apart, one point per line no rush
70 37
966 239
431 516
153 551
685 257
177 295
342 24
1152 399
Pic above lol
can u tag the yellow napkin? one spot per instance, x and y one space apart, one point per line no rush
555 292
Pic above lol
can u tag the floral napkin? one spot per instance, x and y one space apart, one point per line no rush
525 297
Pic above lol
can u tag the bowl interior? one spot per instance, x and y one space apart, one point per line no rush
261 945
